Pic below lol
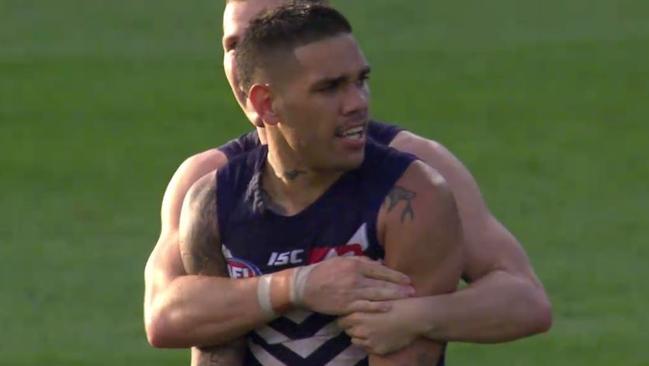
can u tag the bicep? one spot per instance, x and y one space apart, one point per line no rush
198 230
425 243
164 263
201 255
162 267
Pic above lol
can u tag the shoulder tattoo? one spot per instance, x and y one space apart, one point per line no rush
199 237
399 194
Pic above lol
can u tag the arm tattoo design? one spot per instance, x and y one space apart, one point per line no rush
398 194
201 252
201 255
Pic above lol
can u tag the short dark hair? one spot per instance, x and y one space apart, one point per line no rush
318 2
284 29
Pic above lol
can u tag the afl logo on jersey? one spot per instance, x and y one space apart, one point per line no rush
239 268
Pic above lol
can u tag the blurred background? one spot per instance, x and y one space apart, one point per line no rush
100 101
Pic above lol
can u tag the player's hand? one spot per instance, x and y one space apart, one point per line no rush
383 333
344 285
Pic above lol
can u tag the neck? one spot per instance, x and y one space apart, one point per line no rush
261 132
288 181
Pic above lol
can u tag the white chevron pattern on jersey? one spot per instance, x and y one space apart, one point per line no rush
298 316
352 355
304 347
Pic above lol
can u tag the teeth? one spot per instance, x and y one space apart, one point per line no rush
356 132
356 136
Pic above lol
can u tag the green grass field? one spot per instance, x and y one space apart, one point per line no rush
546 103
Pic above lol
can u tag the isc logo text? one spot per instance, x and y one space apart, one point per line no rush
284 258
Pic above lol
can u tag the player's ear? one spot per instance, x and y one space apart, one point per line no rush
261 98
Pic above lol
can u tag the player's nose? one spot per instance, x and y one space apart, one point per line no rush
356 100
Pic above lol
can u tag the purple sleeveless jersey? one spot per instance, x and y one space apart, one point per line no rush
342 222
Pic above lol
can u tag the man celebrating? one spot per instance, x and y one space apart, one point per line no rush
315 191
504 300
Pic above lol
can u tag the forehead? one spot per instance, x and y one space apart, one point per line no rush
331 57
238 13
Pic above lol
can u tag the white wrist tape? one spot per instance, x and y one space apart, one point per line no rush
263 295
298 283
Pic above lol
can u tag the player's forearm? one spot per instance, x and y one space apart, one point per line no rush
499 307
202 310
420 352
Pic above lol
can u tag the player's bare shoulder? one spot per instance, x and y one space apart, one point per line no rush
421 190
198 231
422 147
459 178
197 165
187 173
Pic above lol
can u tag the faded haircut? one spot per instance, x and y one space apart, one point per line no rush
281 30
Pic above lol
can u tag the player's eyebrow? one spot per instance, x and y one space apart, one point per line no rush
335 81
328 82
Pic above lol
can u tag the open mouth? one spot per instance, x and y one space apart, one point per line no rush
352 133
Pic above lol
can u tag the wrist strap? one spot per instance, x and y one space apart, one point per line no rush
298 284
263 296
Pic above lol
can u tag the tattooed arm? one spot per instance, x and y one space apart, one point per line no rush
421 232
164 264
201 255
204 307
